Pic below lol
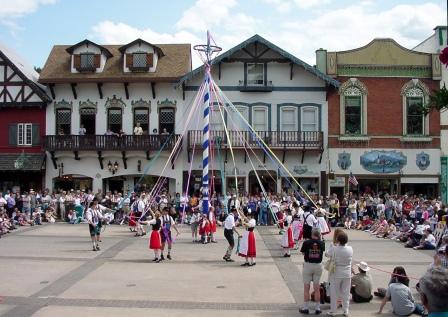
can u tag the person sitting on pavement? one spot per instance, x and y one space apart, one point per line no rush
428 241
398 292
362 284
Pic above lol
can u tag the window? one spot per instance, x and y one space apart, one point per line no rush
114 119
353 114
216 119
310 119
288 119
234 120
260 119
166 120
414 116
139 60
141 116
63 121
255 74
87 61
87 119
24 134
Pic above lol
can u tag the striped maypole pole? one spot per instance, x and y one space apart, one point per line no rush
206 142
206 50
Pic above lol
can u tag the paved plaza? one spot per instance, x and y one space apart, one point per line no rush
50 271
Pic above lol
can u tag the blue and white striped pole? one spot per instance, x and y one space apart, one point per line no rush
206 142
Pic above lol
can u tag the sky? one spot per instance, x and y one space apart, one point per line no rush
32 27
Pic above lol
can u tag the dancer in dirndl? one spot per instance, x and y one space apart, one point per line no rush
287 241
247 248
212 219
321 221
155 242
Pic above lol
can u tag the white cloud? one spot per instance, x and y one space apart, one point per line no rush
205 14
305 4
280 5
11 9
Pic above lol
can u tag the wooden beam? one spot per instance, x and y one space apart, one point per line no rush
219 70
256 48
100 89
53 95
291 71
147 155
125 159
183 91
249 53
263 52
321 154
126 90
303 155
75 95
54 159
258 60
153 89
100 159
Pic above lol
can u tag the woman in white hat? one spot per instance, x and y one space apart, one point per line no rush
362 284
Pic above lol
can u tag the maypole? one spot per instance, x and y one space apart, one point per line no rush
206 51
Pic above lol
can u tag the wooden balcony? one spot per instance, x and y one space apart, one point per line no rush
109 142
276 140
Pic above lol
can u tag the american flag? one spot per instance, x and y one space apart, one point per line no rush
352 179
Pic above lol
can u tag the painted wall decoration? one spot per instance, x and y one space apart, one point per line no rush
344 161
422 161
383 161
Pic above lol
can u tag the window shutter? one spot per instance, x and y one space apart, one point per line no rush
129 60
97 60
36 134
149 59
13 134
77 61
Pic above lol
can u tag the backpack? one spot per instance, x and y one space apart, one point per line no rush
307 228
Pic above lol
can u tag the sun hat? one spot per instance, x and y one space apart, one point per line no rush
363 266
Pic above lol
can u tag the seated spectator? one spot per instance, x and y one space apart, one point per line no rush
428 241
433 288
361 289
398 292
72 217
382 228
440 259
37 217
365 224
50 215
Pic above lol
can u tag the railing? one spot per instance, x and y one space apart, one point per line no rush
109 142
266 87
307 140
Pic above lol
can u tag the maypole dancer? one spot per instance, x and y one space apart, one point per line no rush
206 52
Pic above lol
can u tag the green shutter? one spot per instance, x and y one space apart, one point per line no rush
36 134
13 134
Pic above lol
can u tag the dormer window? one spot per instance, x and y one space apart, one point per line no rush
87 62
139 61
255 74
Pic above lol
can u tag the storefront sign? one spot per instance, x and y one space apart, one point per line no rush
304 170
383 161
344 161
337 182
422 161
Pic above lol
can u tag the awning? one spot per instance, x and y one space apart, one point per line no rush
419 180
10 162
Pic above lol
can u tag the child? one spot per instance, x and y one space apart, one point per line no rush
248 245
322 223
212 219
194 222
204 229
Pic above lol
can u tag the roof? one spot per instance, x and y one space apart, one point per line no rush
175 63
31 161
139 41
24 70
260 39
104 50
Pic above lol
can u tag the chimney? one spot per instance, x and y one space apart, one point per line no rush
321 60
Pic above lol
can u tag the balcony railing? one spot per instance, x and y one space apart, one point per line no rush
109 142
266 87
306 140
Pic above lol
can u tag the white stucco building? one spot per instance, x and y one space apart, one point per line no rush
105 89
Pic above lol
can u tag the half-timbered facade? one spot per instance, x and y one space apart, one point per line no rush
22 123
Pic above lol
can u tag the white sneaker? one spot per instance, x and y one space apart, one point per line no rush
345 314
330 313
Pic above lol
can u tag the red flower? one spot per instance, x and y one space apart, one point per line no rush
444 56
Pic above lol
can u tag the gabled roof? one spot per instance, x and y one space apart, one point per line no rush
140 41
260 39
104 50
25 71
175 63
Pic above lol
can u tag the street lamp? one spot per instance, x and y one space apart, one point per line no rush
112 168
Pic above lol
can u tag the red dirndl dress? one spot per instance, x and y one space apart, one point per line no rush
280 218
155 242
290 238
212 224
251 245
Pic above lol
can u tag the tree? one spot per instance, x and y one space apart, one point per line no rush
37 69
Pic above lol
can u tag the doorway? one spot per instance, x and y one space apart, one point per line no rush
339 191
166 120
87 119
268 180
116 185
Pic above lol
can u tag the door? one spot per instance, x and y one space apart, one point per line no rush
116 185
87 119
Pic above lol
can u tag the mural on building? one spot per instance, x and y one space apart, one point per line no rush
344 161
383 161
422 161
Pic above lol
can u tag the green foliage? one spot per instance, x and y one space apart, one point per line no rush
438 101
